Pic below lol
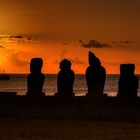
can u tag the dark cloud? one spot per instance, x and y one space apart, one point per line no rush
114 42
15 60
65 43
123 42
2 47
126 42
17 38
96 44
25 38
93 44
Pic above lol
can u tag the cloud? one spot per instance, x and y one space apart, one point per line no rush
18 38
2 47
96 44
23 38
93 44
114 42
123 42
15 60
126 42
65 43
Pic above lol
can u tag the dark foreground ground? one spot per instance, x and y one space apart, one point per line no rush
80 118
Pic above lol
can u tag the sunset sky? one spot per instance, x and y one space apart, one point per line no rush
57 29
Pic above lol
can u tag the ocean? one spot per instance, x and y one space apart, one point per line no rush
18 82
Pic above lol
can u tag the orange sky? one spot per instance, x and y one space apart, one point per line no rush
52 30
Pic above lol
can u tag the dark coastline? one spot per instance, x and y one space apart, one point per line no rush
79 118
77 108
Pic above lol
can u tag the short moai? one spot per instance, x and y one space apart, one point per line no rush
128 81
65 79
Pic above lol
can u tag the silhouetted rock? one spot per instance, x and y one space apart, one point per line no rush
128 82
65 79
35 79
95 76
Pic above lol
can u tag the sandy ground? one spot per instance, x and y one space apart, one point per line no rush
35 129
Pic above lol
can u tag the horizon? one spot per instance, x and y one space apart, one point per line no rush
57 73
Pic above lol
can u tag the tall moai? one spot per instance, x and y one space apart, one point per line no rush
35 79
128 81
95 76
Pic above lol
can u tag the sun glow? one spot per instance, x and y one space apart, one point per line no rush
3 63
